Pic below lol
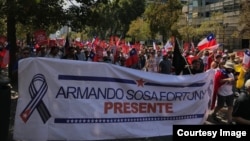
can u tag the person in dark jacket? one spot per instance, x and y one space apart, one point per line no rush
241 110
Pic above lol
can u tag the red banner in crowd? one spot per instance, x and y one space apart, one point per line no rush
99 53
240 53
41 37
52 43
60 42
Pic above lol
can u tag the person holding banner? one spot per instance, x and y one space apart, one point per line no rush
165 66
194 68
54 53
71 55
80 54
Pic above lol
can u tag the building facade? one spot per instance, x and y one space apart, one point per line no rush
198 11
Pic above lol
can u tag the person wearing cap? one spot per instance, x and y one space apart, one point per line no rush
241 110
223 89
231 58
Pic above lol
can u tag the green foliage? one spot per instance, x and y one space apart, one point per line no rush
3 27
162 16
115 17
244 21
41 14
186 32
213 25
139 29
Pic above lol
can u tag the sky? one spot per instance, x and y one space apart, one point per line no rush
68 3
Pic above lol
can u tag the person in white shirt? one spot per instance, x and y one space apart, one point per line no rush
225 78
151 63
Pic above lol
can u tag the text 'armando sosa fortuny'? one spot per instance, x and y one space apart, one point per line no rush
144 101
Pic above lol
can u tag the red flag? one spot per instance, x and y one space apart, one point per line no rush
125 49
99 54
79 44
112 40
4 58
96 41
60 42
132 59
246 59
52 43
186 46
218 76
41 37
191 58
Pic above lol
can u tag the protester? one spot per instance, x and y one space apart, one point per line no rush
216 62
232 58
204 58
165 66
194 68
90 55
108 58
224 81
241 110
142 60
80 54
54 53
151 64
70 54
42 52
158 57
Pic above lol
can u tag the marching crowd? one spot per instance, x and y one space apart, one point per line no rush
226 92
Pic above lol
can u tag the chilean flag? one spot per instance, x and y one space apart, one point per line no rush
132 59
246 59
207 42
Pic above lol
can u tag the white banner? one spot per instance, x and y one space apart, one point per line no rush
75 100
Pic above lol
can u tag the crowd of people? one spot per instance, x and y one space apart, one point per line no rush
157 61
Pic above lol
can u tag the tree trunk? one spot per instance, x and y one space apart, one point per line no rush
11 35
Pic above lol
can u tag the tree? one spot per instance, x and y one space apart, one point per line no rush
30 13
36 14
115 17
162 16
244 21
2 18
213 25
186 31
139 29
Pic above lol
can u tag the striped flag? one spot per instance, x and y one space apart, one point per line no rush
154 46
168 46
246 59
207 42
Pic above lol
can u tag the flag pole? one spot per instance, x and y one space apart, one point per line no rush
184 57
